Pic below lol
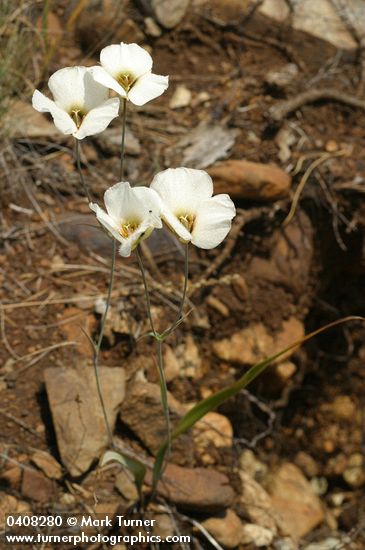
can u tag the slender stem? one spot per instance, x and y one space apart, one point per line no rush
78 163
182 303
159 341
124 114
100 338
146 291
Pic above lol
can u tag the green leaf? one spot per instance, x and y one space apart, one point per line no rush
215 400
134 466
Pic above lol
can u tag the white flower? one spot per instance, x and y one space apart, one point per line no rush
189 208
131 214
81 106
127 69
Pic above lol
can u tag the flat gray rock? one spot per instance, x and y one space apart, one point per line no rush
77 414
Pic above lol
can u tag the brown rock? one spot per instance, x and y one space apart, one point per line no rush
74 322
293 498
126 486
255 343
257 504
189 358
77 414
22 120
214 429
250 180
9 504
307 464
256 535
48 464
142 412
197 489
171 363
36 486
11 476
169 13
226 529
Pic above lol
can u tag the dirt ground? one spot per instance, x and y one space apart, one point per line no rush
54 264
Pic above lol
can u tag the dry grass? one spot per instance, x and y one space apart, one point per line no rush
21 49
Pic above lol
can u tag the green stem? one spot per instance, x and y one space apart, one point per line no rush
182 303
147 292
159 341
100 339
78 163
124 114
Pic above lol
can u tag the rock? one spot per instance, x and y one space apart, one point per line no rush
293 498
197 489
275 9
330 543
11 476
354 473
255 343
257 504
77 414
126 486
48 464
10 505
307 464
171 363
319 18
342 408
169 13
202 146
285 543
250 180
37 486
284 139
283 76
227 529
284 371
252 466
213 429
290 261
110 142
142 412
22 120
189 358
151 28
256 535
181 98
74 324
164 526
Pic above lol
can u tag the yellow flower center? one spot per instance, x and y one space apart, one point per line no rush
77 116
126 80
187 220
126 229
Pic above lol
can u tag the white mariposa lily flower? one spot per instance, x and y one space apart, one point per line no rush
81 106
131 214
189 208
127 69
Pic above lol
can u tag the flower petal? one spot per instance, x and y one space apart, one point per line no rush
106 221
141 233
101 76
126 58
125 203
177 227
98 118
213 221
183 189
68 87
62 120
148 87
95 93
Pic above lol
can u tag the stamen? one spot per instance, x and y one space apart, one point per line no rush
127 229
77 116
187 220
126 80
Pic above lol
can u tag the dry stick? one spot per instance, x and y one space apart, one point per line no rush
279 111
304 180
